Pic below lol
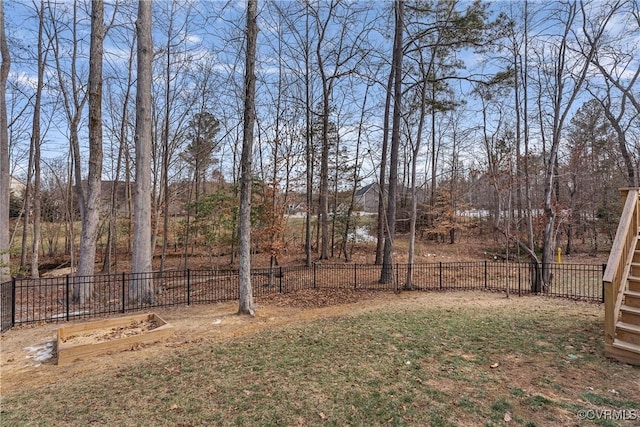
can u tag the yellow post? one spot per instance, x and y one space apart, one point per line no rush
559 255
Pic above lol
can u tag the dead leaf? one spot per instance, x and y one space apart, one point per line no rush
322 415
507 417
173 407
495 365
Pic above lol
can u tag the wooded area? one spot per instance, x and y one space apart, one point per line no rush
124 128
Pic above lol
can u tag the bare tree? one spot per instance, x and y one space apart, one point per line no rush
4 153
336 57
72 90
246 305
141 285
356 177
415 148
36 145
382 223
620 126
565 81
176 61
386 274
119 102
616 64
309 141
327 88
33 168
83 288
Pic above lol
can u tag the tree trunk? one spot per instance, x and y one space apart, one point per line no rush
83 288
434 152
525 114
141 285
26 208
408 284
382 223
323 208
563 99
308 144
356 180
5 178
246 305
36 141
386 273
165 149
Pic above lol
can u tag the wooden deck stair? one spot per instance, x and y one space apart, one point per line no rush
626 344
622 285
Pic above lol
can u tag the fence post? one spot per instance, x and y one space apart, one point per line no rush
315 285
519 281
485 273
188 287
355 276
13 301
397 277
67 290
604 267
440 273
280 279
124 300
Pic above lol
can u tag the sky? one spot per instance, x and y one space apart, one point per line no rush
210 35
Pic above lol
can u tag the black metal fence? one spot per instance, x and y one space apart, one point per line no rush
52 299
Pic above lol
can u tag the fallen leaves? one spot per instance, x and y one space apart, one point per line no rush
316 298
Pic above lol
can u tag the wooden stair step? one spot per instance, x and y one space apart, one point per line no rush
627 346
628 327
633 284
630 309
633 294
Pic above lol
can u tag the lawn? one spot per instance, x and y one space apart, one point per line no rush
475 360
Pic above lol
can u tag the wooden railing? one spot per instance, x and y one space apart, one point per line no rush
620 258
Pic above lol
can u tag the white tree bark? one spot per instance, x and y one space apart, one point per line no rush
246 305
141 284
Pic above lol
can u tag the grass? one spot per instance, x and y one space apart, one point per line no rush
402 366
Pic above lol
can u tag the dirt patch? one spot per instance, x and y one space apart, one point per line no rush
135 327
196 324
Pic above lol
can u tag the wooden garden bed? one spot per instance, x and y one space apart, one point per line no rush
110 335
